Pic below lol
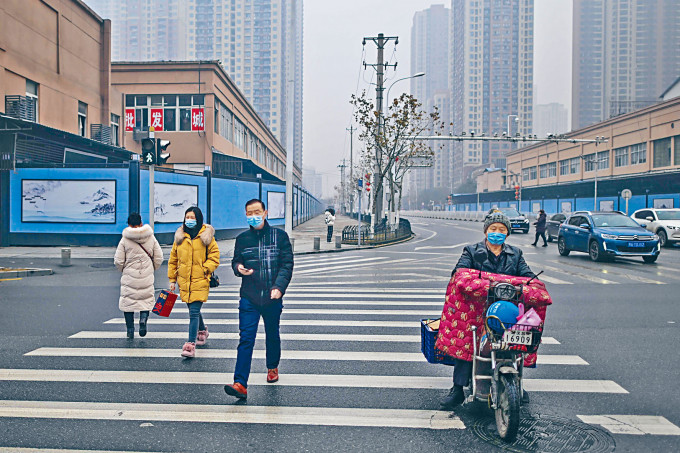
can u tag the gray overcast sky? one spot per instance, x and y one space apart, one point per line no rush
333 54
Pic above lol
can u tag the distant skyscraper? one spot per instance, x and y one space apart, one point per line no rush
430 54
491 77
254 40
625 54
550 118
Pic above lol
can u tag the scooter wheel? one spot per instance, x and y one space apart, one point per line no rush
507 412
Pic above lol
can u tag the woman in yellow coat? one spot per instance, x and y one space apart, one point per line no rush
194 257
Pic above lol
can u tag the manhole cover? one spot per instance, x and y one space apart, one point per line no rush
547 434
101 265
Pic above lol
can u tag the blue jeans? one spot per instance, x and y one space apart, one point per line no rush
248 320
195 320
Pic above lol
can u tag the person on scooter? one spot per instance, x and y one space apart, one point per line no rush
501 258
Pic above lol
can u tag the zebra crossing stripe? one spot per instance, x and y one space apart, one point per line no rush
222 413
364 303
61 450
290 322
338 261
103 335
289 354
325 311
293 380
296 288
341 295
553 280
633 424
328 269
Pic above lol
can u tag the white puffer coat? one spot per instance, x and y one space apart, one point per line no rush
137 282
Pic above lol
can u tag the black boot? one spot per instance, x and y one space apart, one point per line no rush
454 399
130 324
143 317
131 332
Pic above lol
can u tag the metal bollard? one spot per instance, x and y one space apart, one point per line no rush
66 257
317 244
338 242
292 245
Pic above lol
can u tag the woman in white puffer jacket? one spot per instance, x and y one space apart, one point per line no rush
138 255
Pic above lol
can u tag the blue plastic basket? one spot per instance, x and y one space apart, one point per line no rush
428 338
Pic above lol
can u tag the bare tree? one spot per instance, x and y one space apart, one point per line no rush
387 146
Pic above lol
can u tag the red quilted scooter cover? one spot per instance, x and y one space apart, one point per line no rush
464 308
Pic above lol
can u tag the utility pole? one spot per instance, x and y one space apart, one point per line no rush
152 201
351 130
342 185
380 66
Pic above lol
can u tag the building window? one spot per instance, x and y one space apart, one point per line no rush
32 95
176 109
575 165
532 173
603 160
543 170
676 152
590 162
621 157
82 119
115 128
552 169
564 167
638 154
662 152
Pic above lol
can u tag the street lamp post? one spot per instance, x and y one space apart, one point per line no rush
597 165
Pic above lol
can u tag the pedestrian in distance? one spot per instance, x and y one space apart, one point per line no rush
138 255
540 224
263 259
194 258
330 221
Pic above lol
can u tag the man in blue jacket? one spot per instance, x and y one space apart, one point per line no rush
263 258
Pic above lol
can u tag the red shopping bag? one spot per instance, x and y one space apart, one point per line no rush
164 303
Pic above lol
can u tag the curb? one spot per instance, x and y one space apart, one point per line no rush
25 273
368 247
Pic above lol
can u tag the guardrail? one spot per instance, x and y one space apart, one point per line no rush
471 216
384 233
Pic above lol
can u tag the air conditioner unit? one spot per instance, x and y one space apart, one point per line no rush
20 107
101 133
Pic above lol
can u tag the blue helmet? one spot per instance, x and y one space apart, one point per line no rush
506 311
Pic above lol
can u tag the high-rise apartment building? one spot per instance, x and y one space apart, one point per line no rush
625 54
259 43
491 77
550 118
430 54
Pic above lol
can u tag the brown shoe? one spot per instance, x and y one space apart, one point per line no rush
237 390
273 375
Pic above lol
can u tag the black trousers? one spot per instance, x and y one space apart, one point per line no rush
329 236
130 318
542 235
462 372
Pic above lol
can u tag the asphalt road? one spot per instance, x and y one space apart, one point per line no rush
352 377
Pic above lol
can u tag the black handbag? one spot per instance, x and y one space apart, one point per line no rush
214 279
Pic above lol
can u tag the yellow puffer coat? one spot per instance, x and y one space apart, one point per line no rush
188 265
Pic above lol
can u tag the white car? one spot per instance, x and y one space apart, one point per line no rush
663 222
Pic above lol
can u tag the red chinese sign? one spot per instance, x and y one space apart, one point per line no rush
129 120
197 120
156 120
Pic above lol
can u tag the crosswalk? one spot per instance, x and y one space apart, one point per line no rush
347 337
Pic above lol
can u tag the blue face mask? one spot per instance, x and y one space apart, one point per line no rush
496 238
255 220
190 223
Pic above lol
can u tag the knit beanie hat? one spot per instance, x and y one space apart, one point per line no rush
496 217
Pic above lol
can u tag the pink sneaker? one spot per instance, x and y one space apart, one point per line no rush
189 350
202 337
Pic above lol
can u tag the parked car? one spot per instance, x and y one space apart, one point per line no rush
519 222
664 222
553 225
605 235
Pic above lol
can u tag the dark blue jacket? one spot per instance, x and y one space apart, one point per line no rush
268 252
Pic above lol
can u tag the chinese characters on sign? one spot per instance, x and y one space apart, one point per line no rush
129 120
197 120
157 119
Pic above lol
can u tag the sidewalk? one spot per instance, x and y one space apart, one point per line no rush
303 235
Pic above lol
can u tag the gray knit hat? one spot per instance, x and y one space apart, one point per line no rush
496 217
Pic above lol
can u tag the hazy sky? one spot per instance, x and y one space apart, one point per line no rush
333 32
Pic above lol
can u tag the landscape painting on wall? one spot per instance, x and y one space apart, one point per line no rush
276 205
172 200
68 201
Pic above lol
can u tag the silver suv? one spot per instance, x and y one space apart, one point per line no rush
664 222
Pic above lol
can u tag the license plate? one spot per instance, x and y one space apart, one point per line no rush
517 337
636 244
515 225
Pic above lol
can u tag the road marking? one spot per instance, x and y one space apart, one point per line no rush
434 233
294 289
441 246
290 322
295 380
290 354
338 261
10 279
553 280
325 311
633 424
386 303
105 334
339 295
224 413
347 266
235 336
61 450
318 258
590 278
608 271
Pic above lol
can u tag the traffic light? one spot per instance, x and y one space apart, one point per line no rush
162 155
149 151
